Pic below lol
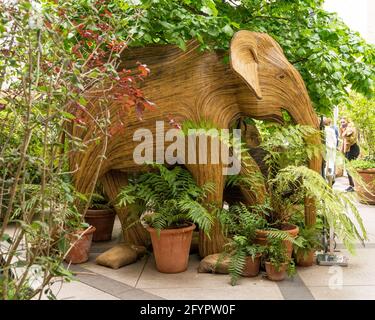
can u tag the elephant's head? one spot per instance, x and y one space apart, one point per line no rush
260 62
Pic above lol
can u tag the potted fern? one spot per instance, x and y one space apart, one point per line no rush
239 224
277 261
308 241
168 203
101 215
289 182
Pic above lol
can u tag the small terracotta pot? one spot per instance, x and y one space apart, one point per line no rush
171 248
275 275
368 176
103 221
251 268
262 237
80 250
305 260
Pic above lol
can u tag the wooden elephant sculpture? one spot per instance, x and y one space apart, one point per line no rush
193 85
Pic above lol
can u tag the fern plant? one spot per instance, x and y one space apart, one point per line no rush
98 201
276 253
337 207
240 223
240 249
168 198
289 182
308 240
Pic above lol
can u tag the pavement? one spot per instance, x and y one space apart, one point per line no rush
142 281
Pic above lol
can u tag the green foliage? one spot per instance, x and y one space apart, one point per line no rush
98 201
288 144
169 197
285 146
240 249
308 240
329 56
276 254
240 223
52 53
361 111
242 220
338 207
363 164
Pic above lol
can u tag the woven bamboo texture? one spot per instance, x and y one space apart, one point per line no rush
198 86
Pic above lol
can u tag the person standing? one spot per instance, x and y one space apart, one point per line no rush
350 145
331 137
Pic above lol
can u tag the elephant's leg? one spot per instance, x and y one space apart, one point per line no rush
204 173
113 181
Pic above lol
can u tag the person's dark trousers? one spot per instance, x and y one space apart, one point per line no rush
352 154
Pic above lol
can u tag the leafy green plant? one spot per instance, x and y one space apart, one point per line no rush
329 56
333 204
276 254
289 182
284 146
361 110
53 53
363 163
240 248
98 201
169 198
242 220
240 223
309 239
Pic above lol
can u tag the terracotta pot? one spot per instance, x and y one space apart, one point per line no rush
171 248
102 220
275 275
368 176
262 235
305 260
251 268
80 250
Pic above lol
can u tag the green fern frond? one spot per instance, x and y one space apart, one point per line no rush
236 265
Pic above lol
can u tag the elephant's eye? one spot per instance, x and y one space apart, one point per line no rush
281 76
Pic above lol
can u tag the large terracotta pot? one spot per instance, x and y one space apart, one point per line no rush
171 248
251 268
305 259
103 221
274 274
262 235
80 250
368 176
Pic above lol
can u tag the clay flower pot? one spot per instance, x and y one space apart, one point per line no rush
368 176
102 220
305 259
80 250
274 274
171 248
262 235
251 268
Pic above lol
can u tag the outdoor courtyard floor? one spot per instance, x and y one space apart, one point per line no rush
141 280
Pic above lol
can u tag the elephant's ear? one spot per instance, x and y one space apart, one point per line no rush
244 59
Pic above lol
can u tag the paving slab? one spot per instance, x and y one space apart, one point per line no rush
76 290
151 278
344 293
238 292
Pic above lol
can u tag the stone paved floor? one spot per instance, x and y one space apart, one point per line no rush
141 280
